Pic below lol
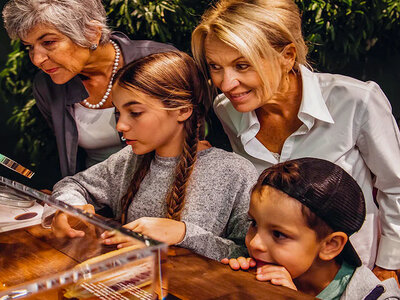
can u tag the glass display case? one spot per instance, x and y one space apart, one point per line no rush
35 263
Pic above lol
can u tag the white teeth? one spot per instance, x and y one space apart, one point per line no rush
239 95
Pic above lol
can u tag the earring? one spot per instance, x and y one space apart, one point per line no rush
93 46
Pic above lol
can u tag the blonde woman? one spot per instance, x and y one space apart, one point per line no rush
274 108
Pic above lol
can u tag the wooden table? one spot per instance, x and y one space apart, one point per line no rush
190 276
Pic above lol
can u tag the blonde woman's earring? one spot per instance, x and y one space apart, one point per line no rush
93 47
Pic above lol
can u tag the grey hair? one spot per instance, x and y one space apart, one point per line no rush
76 19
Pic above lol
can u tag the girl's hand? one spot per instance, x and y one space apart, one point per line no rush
239 263
277 275
160 229
61 224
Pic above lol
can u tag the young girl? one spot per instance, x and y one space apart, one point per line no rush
165 184
303 212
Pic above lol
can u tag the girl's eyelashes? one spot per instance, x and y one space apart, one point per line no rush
253 222
135 114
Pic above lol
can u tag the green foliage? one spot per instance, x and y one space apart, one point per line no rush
16 91
168 21
339 32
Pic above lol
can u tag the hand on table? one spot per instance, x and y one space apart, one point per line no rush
277 275
241 262
384 274
61 226
160 229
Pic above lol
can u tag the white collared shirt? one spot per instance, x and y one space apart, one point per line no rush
347 122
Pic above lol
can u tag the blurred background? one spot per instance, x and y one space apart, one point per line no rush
360 39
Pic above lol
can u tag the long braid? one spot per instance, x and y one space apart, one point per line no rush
176 197
135 184
173 78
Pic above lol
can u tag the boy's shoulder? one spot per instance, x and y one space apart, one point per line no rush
364 283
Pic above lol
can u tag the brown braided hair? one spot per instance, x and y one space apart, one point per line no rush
173 78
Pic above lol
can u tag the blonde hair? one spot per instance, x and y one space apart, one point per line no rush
258 29
174 79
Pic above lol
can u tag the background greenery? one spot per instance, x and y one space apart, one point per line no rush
356 38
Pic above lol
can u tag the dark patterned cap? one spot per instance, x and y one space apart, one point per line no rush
327 190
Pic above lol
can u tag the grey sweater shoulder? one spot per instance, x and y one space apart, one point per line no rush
216 203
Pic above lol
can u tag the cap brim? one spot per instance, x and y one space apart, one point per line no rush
350 255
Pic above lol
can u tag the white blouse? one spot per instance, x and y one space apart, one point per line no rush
347 122
97 133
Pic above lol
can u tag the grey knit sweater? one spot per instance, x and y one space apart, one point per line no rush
216 203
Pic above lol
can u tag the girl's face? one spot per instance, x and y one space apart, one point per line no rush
55 54
146 124
279 234
234 75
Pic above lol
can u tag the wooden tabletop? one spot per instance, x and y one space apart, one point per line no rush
190 276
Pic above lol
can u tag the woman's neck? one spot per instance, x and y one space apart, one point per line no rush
101 62
318 277
286 104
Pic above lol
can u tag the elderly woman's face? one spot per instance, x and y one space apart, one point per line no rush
55 54
234 75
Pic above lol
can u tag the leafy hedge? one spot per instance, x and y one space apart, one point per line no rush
340 32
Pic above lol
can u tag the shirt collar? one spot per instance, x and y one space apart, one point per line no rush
312 105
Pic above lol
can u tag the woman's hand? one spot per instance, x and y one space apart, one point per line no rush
384 274
277 275
160 229
239 263
61 224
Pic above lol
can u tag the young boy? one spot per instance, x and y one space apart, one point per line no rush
303 212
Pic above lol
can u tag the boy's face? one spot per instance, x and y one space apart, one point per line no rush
279 234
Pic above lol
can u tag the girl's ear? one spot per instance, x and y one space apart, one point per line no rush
289 54
332 245
184 114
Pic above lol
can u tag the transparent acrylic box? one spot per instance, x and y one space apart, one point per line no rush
35 264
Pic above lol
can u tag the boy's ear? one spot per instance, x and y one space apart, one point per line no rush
184 114
332 245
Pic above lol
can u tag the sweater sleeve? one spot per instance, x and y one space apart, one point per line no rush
231 244
101 185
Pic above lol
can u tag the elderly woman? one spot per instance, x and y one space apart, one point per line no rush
78 56
274 108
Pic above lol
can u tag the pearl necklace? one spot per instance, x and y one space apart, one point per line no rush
114 70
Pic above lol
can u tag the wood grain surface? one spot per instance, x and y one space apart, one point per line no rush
33 252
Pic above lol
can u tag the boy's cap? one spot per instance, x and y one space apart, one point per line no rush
329 192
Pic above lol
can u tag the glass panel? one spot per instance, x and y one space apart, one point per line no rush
37 264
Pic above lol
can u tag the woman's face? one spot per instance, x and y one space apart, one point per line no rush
279 234
234 75
55 54
146 124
